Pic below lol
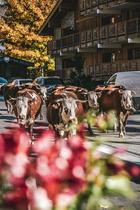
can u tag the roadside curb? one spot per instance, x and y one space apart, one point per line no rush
133 159
132 162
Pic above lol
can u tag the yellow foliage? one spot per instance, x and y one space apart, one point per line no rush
20 31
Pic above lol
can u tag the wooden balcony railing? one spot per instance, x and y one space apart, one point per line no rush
91 4
106 69
100 34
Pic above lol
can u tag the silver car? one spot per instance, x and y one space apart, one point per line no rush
3 81
130 80
19 82
49 82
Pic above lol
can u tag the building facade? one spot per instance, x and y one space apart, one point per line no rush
94 37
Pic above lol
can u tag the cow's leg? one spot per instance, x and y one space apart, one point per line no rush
41 115
115 122
121 126
31 130
90 130
30 127
9 107
125 121
115 126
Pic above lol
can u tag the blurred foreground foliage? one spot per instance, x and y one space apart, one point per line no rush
65 174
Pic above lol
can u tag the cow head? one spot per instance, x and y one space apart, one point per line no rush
83 93
22 108
127 100
68 112
93 99
43 91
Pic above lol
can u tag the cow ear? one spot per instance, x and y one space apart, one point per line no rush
30 101
12 99
120 91
99 94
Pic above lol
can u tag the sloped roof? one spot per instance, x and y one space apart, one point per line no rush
51 14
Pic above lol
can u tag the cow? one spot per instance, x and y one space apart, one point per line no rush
88 99
92 99
27 106
62 109
9 91
121 101
40 90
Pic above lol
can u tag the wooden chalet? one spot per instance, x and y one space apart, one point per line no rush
97 37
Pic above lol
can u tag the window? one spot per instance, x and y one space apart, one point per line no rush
107 57
82 5
106 21
39 81
133 54
112 80
88 4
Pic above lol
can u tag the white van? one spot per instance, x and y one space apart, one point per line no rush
130 80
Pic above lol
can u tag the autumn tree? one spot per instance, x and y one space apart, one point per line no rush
19 29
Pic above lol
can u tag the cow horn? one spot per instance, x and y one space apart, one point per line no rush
81 101
12 99
59 100
133 92
121 91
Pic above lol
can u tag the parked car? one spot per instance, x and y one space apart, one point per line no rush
18 82
50 82
3 81
131 81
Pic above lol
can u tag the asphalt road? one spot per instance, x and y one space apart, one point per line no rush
131 143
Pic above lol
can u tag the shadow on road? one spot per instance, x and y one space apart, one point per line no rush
40 123
133 122
123 142
132 129
7 117
3 109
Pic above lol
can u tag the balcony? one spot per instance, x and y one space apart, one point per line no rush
67 43
105 70
109 34
89 7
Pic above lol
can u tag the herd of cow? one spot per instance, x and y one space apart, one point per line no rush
66 104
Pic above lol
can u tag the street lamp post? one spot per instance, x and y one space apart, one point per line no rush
6 60
42 72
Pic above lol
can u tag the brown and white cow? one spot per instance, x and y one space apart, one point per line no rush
88 99
27 106
62 109
9 91
121 101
